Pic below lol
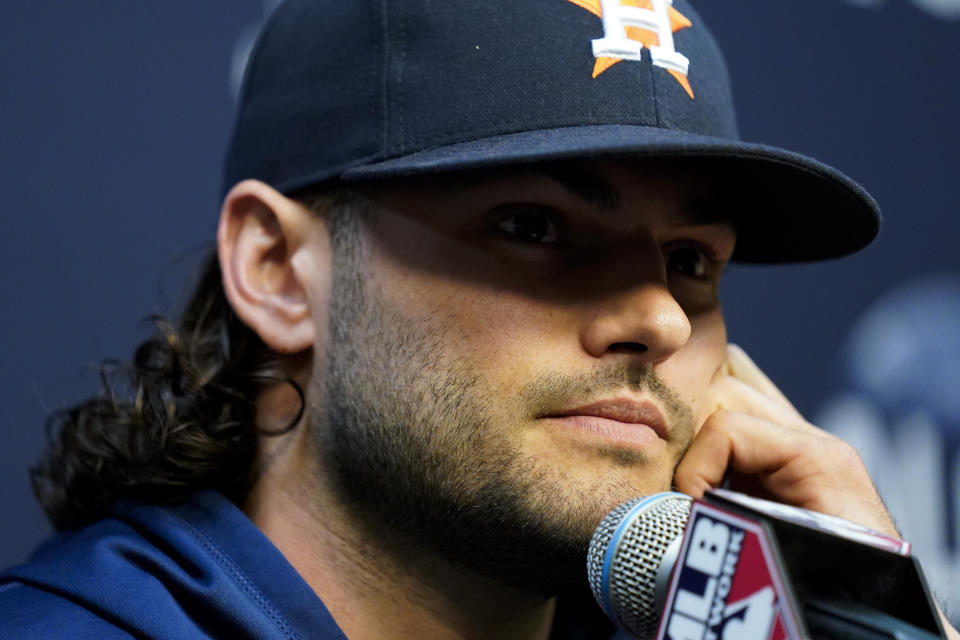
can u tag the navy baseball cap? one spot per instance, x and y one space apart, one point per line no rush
363 90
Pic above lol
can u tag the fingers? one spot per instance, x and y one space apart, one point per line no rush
807 468
737 396
740 366
758 440
775 454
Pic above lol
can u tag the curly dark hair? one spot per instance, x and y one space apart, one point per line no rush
180 416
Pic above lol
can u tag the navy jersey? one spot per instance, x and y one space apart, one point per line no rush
196 569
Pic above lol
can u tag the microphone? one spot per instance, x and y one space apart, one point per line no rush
732 566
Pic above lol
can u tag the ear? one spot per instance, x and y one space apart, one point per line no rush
275 259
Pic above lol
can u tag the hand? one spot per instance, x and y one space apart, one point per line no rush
767 449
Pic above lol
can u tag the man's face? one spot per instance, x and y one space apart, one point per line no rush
511 355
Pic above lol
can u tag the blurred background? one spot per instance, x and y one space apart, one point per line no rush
114 119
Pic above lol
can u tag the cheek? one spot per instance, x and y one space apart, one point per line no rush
505 340
484 323
709 337
502 334
692 369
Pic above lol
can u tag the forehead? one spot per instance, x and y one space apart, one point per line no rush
682 191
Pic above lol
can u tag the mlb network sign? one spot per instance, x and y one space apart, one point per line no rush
725 586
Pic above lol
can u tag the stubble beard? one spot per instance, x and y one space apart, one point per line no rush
407 441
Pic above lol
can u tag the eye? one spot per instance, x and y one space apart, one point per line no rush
530 225
690 261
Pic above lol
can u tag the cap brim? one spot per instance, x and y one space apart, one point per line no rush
787 207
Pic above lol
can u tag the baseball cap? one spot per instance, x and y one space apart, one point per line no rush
365 90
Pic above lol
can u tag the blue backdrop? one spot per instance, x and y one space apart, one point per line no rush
114 116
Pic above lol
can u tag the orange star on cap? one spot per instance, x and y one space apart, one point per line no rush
644 36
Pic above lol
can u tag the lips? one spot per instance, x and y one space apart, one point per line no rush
621 410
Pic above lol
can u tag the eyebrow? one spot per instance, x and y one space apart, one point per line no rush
585 184
591 187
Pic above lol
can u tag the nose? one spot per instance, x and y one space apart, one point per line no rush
641 318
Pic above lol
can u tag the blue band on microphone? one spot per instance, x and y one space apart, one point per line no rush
615 542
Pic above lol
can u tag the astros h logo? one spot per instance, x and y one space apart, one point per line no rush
629 26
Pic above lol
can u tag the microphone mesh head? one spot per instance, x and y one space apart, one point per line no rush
625 553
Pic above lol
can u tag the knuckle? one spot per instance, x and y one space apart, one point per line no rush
848 454
718 420
836 454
